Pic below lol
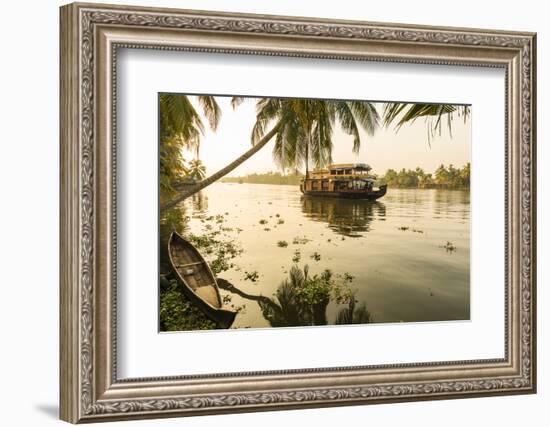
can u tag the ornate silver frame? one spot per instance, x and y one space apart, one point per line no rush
90 36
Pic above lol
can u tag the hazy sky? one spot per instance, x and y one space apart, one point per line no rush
407 148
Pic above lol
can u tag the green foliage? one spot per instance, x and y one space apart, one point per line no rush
196 170
316 289
218 251
282 243
443 177
302 300
177 313
180 129
306 127
172 166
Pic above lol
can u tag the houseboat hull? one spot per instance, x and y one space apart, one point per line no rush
349 194
344 181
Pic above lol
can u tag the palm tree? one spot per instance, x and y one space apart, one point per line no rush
179 118
433 113
196 170
441 175
303 130
306 133
180 128
465 174
171 166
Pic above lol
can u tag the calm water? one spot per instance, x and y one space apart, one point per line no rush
401 275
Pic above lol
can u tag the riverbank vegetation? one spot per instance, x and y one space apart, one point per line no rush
444 177
177 313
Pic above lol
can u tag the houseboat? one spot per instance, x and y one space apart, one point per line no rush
349 180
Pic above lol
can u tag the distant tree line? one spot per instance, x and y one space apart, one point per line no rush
443 177
267 178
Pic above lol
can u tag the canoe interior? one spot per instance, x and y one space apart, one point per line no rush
194 271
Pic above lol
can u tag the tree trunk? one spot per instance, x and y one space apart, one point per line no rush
228 286
222 172
307 157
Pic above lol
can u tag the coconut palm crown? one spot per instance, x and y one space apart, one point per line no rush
306 127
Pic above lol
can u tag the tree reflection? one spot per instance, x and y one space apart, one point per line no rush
294 306
200 202
302 300
344 216
354 314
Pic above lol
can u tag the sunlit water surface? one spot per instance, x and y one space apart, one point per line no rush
394 248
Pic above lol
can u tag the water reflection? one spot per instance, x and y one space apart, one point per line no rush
347 217
451 204
354 314
402 270
302 300
200 202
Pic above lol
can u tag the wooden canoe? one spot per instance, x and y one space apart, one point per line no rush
197 280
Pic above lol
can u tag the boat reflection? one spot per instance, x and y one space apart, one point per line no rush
346 217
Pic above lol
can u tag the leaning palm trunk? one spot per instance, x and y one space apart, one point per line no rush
307 157
222 172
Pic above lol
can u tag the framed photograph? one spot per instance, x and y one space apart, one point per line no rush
266 212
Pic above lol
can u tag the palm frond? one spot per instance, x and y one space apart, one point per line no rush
406 112
348 123
366 114
237 100
180 114
211 110
267 110
321 135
